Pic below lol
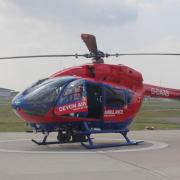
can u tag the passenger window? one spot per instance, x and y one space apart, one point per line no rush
115 97
129 97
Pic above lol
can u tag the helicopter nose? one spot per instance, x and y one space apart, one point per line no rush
16 103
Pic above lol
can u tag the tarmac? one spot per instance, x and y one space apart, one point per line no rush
157 158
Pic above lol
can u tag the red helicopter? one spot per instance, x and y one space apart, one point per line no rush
88 99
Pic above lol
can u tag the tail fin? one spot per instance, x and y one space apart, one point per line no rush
161 92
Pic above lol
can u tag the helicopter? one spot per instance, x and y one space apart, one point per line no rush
89 99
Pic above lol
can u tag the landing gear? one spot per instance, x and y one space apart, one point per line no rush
79 138
84 135
64 136
44 141
91 144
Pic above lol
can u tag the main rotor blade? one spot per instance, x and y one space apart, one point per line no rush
45 56
91 55
142 54
90 41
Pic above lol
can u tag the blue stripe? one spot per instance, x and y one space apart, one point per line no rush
98 124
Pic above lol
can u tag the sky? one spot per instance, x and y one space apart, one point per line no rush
54 27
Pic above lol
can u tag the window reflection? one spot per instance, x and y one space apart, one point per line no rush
73 92
44 95
117 97
48 90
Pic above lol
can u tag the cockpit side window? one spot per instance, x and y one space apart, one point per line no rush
73 92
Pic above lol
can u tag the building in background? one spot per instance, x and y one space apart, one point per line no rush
7 94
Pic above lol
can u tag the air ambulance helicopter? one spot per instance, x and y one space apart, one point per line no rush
88 99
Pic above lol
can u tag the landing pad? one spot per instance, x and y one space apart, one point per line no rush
156 158
27 146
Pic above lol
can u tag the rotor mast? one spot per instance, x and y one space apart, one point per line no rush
90 41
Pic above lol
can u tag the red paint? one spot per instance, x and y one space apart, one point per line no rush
161 92
119 76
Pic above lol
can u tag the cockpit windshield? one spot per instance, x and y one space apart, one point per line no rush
40 97
46 91
34 86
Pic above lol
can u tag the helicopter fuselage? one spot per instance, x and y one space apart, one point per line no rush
106 96
109 96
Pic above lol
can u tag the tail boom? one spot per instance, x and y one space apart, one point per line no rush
161 92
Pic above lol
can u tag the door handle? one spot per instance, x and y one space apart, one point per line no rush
100 99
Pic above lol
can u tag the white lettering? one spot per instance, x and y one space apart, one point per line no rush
160 92
75 106
113 112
